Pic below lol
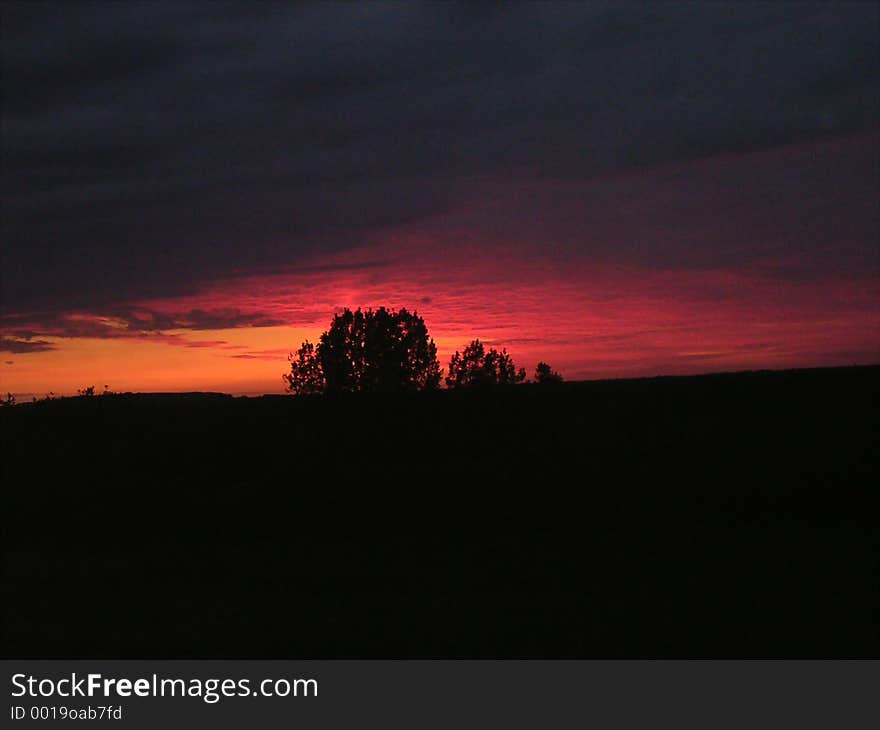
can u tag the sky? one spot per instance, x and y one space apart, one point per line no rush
620 189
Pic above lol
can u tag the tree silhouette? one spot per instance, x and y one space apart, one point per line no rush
475 367
367 351
545 374
305 377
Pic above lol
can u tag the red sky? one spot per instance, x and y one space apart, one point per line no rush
759 260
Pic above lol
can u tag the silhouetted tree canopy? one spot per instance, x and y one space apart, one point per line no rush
367 351
546 374
475 367
305 377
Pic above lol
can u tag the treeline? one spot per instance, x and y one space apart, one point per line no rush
390 350
88 391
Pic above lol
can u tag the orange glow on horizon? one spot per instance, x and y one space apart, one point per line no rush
587 322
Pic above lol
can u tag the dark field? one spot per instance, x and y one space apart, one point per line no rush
715 516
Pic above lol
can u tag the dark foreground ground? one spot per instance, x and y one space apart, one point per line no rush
719 516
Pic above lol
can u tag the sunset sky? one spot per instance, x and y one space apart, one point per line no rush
619 189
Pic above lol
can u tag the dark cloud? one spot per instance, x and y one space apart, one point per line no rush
152 146
271 355
23 346
146 320
125 322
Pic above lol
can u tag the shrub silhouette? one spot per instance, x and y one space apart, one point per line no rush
475 367
367 351
546 374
